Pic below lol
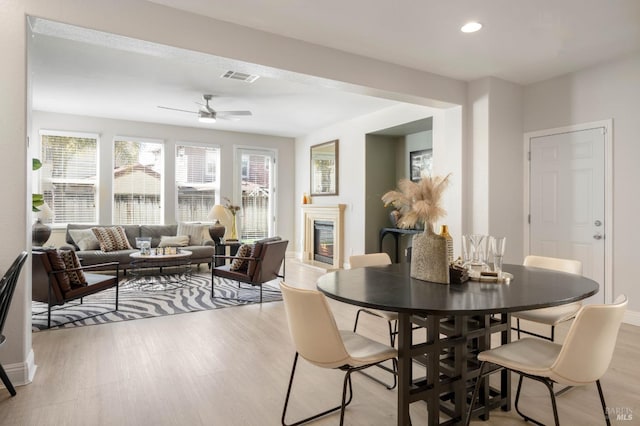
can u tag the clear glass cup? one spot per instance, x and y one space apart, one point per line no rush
466 250
497 247
478 253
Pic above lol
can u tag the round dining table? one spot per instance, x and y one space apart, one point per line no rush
458 321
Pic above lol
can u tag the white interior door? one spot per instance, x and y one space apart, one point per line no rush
567 200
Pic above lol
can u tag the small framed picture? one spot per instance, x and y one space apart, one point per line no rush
421 162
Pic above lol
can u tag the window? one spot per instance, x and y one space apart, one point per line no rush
68 177
137 182
197 181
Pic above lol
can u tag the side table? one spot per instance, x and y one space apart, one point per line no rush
221 250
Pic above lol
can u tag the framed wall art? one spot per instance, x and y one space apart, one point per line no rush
420 163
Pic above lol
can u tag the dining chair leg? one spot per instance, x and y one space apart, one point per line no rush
518 326
474 395
548 384
604 405
347 383
7 382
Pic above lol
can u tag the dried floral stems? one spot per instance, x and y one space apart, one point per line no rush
418 202
233 209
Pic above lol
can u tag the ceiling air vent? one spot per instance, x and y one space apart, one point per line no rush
234 75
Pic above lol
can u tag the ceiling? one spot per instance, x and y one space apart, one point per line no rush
86 72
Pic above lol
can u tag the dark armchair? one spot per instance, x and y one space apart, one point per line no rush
262 265
49 284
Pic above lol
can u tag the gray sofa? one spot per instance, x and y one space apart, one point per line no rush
201 253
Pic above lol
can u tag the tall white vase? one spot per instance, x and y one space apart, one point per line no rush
429 257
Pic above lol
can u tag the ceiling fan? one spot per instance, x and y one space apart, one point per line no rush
207 114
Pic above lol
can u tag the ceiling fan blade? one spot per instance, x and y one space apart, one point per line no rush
177 109
232 113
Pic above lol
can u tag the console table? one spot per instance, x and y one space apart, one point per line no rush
396 232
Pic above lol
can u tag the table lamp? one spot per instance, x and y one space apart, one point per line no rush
41 232
217 230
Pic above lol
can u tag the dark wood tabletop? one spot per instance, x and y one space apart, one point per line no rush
391 288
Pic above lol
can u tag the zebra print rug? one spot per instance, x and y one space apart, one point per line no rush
141 300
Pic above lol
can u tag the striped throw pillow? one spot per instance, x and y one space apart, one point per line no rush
112 238
71 261
241 264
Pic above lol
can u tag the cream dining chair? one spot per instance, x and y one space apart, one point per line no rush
582 359
317 339
378 259
557 314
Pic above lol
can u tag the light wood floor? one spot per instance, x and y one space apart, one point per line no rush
231 367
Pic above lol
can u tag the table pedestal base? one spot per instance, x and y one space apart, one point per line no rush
449 356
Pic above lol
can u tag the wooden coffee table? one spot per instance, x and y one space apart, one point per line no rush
161 271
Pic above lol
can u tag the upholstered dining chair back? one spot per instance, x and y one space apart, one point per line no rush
313 329
554 263
371 259
587 350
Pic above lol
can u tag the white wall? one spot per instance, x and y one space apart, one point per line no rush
607 91
352 167
495 161
108 129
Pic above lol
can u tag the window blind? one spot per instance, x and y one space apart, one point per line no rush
68 176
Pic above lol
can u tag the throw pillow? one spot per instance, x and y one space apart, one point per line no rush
71 261
241 264
195 231
177 241
111 239
57 264
84 239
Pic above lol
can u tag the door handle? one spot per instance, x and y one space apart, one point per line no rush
598 236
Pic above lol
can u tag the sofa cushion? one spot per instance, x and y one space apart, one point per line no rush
93 257
76 278
84 239
157 231
177 241
241 264
112 238
195 231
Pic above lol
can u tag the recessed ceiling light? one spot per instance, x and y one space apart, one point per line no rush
471 27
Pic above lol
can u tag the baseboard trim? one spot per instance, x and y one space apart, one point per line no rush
632 317
21 373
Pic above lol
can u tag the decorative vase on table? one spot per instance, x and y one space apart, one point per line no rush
420 203
234 234
429 261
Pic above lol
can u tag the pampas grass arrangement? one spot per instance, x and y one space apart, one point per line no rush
418 202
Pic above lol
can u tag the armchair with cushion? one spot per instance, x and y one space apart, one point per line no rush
254 265
57 280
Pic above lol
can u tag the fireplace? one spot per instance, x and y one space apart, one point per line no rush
323 241
331 244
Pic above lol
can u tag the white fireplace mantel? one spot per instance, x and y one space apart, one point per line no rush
328 213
